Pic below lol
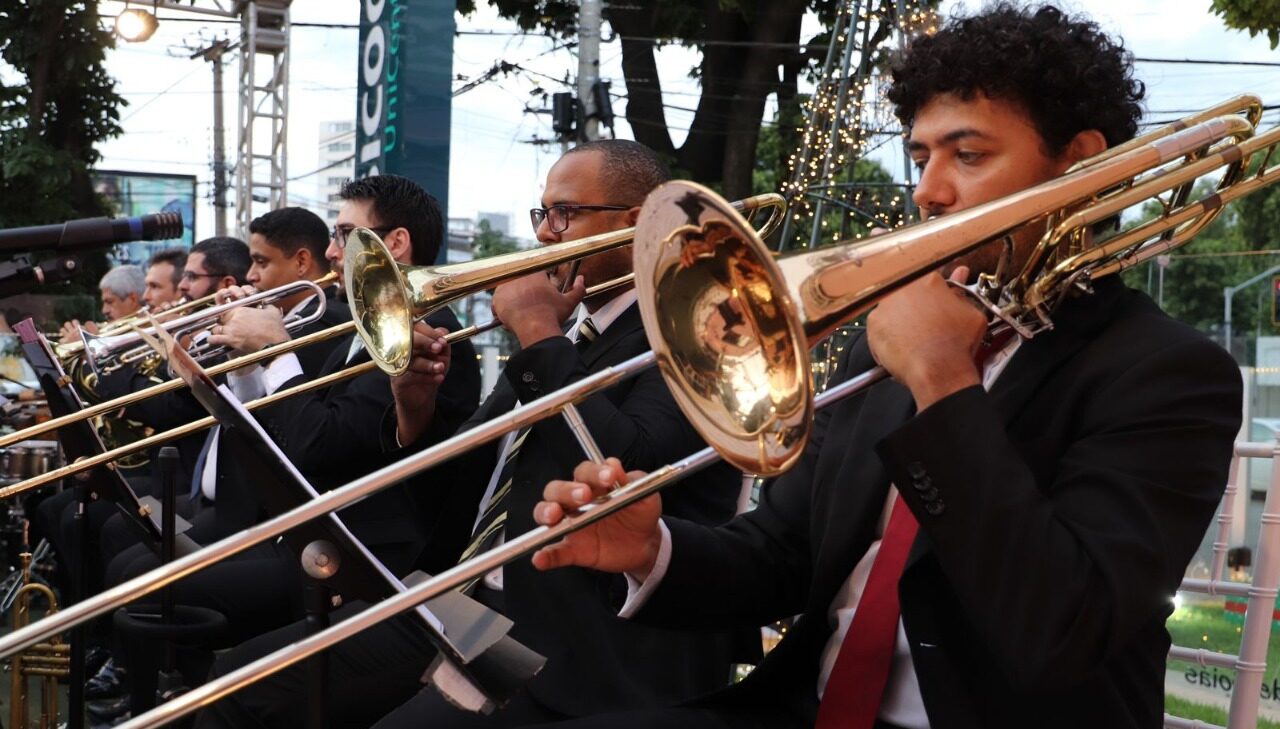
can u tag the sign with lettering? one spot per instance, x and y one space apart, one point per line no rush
404 93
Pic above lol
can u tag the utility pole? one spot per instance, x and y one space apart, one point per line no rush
590 19
213 54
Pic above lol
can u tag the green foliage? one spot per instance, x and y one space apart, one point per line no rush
1186 709
489 242
1207 626
62 105
1255 16
51 121
1222 255
749 50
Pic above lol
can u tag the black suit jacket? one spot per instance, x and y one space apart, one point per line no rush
1062 509
179 407
595 661
334 436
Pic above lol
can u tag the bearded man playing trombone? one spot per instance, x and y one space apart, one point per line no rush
992 538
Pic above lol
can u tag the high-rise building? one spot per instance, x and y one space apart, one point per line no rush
337 158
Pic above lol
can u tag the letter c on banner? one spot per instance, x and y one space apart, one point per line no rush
371 120
373 71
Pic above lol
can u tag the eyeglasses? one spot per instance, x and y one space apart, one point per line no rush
191 276
557 216
339 233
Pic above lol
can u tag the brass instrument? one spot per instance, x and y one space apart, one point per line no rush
388 297
112 457
782 305
49 660
105 353
493 270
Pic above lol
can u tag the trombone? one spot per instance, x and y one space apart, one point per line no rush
388 297
107 353
476 276
786 321
499 268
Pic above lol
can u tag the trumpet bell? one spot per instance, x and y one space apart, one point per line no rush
726 337
379 297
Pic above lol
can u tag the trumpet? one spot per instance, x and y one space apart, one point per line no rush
493 270
48 661
784 312
387 297
107 353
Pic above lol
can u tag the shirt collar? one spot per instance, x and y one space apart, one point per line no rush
605 315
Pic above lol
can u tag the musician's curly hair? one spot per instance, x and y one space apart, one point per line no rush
1065 71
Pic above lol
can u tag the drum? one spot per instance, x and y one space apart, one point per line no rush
30 458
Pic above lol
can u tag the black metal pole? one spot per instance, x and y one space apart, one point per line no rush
80 591
168 535
318 603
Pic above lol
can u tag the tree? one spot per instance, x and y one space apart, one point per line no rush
489 242
1190 288
750 50
63 105
878 198
1255 16
51 122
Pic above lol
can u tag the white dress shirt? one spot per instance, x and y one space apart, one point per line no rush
247 383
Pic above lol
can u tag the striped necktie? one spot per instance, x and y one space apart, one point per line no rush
494 518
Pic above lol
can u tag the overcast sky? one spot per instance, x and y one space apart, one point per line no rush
167 126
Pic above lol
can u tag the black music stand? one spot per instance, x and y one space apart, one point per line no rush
80 440
478 666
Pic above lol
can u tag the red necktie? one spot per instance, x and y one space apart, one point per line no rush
854 689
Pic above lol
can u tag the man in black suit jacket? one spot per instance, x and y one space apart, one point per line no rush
595 662
1060 487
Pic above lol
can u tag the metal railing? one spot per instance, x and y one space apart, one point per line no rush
1251 663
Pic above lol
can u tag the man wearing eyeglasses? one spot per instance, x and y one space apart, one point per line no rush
595 188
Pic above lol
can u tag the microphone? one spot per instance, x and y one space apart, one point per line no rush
88 233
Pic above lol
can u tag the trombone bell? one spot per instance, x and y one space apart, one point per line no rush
735 355
380 295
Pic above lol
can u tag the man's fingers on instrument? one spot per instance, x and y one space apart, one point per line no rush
548 513
600 476
567 494
552 556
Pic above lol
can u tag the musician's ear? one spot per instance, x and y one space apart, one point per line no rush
1084 145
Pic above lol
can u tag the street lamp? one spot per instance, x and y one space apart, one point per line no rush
135 25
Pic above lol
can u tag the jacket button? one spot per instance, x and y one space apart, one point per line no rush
929 496
935 507
527 377
924 483
916 469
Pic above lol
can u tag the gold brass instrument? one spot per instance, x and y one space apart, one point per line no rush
107 353
388 297
68 350
502 269
49 661
112 457
781 306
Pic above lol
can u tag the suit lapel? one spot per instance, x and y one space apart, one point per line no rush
1075 324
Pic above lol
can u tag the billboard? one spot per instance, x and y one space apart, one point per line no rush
142 193
404 92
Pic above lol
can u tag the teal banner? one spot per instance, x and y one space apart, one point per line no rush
405 93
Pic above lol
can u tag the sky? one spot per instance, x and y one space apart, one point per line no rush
494 166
